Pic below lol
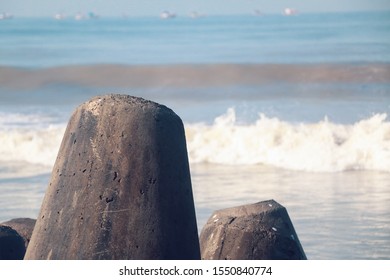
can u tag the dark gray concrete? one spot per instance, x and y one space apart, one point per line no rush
11 244
120 187
251 232
23 226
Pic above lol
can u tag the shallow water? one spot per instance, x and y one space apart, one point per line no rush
336 215
342 215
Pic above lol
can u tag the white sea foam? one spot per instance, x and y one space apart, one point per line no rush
322 146
31 145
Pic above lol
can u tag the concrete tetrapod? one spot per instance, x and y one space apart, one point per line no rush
11 244
23 226
120 187
251 232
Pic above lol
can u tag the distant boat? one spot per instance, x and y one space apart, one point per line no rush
92 15
4 16
79 16
167 15
60 16
289 12
195 15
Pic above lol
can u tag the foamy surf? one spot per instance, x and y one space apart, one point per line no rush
29 138
316 147
31 145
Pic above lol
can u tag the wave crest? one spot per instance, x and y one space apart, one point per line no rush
322 146
317 147
31 145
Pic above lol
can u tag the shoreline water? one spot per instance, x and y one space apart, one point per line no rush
316 105
334 222
193 75
336 214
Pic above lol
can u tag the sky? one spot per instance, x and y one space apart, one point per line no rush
24 8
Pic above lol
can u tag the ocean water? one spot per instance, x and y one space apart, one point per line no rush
310 38
320 146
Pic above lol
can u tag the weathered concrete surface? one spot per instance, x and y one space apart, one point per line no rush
120 187
23 226
11 244
251 232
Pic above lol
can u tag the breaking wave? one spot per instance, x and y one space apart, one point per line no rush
30 138
37 146
317 147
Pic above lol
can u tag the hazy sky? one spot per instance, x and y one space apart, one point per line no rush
182 7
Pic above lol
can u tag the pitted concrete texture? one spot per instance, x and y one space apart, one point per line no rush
23 226
120 187
251 232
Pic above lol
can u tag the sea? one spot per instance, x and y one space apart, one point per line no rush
318 144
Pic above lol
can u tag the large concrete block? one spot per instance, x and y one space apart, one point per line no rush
23 226
11 244
251 232
120 187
